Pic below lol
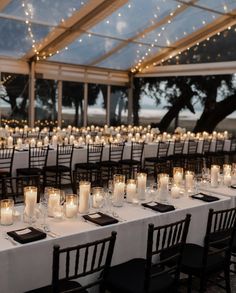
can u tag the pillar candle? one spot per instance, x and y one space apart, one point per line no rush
141 185
214 175
84 192
130 190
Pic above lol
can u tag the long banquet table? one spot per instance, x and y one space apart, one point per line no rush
28 266
80 154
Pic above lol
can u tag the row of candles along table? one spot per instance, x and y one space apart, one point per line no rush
102 135
135 191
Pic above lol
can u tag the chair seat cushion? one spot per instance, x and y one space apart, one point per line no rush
86 166
59 168
129 162
109 164
192 262
4 174
129 278
64 286
28 171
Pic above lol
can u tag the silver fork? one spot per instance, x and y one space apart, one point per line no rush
7 237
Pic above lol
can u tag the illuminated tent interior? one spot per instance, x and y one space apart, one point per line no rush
110 43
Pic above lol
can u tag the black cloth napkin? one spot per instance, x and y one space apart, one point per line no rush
205 197
27 235
233 186
159 207
100 219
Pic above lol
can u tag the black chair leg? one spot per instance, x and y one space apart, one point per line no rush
189 283
227 280
202 284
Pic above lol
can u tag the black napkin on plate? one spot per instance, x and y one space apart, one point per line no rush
159 207
100 219
233 186
205 197
26 235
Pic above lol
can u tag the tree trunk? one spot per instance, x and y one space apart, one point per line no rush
210 118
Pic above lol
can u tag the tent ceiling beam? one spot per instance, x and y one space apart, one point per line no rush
4 3
85 18
140 34
206 32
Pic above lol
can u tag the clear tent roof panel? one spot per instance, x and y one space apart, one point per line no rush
133 17
129 55
115 39
44 10
15 40
85 49
182 26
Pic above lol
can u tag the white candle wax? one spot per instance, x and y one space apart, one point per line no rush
141 185
227 179
72 138
118 194
97 200
46 140
71 209
189 181
10 141
6 216
84 192
30 202
214 176
130 192
53 201
178 177
66 140
163 188
54 141
19 143
32 142
175 191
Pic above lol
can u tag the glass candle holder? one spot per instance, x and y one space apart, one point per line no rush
30 199
189 180
131 193
84 193
141 185
98 197
6 212
175 191
178 173
163 183
215 172
71 205
53 198
227 174
118 190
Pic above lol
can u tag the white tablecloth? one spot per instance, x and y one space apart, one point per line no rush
28 266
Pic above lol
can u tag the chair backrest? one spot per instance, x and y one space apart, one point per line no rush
164 250
82 260
137 151
64 155
178 147
219 145
6 160
116 151
38 157
233 145
206 146
219 234
94 153
163 149
13 187
192 147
